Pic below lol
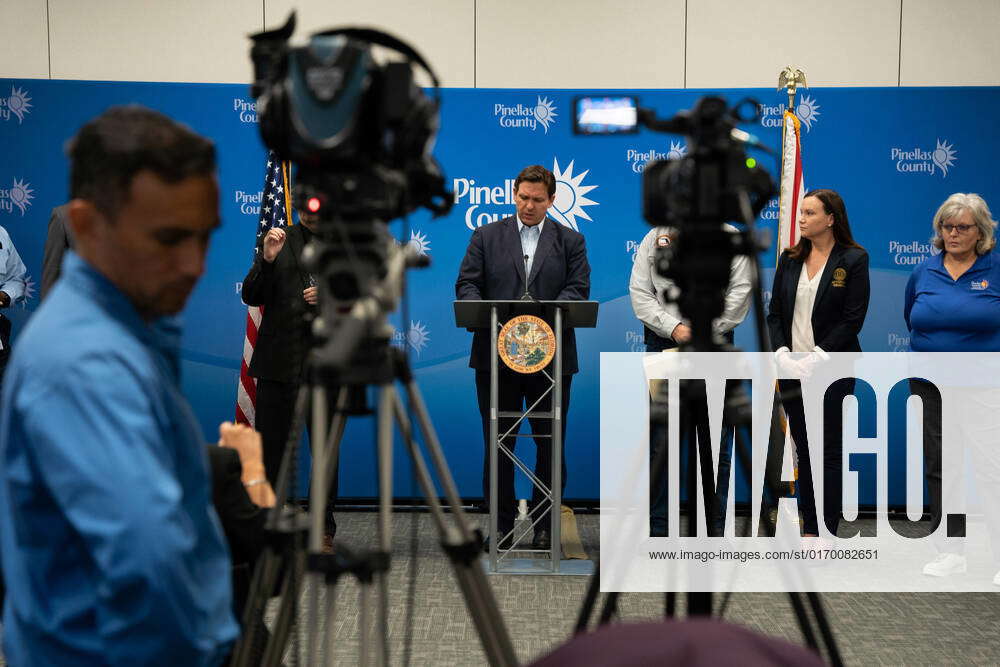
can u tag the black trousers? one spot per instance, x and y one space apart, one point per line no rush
833 452
275 410
516 392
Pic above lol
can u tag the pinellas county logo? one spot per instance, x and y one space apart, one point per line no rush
18 105
638 159
543 114
807 111
926 161
911 253
571 198
245 109
417 337
18 195
249 202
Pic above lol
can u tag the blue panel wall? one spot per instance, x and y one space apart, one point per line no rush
894 154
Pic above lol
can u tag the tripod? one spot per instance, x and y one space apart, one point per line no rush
702 286
459 541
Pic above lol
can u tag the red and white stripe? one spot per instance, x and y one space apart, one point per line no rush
792 183
246 392
793 190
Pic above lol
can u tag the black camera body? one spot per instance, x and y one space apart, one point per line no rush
705 184
359 132
715 182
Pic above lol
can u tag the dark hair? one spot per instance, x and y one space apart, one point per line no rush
536 173
833 205
110 150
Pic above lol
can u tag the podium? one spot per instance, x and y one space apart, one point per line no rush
491 315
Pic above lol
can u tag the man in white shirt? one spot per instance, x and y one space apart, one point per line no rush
12 286
662 321
665 329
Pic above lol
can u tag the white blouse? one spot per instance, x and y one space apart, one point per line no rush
805 297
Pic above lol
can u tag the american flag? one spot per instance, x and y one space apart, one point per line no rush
792 182
275 203
793 190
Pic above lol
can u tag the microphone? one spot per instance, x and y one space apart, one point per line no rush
527 295
749 140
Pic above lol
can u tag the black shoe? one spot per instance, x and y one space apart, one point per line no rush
542 540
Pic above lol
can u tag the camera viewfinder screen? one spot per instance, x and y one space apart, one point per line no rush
606 115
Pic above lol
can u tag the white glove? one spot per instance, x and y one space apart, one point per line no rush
793 366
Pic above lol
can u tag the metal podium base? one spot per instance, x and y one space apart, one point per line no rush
567 568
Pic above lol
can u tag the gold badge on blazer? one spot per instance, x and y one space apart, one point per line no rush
526 344
839 275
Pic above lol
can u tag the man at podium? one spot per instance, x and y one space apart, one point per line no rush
527 256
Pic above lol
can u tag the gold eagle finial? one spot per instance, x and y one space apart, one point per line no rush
790 78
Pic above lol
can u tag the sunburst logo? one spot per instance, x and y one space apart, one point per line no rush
808 111
417 336
20 195
677 150
18 104
926 161
944 156
29 291
545 112
419 242
570 196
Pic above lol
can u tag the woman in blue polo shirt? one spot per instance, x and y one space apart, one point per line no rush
953 305
953 299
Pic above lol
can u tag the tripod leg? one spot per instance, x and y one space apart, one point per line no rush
461 544
264 578
824 629
325 451
386 400
317 504
610 608
803 618
583 618
287 611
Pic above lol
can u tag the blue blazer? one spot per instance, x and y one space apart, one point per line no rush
841 300
493 268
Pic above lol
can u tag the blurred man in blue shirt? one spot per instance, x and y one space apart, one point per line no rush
112 553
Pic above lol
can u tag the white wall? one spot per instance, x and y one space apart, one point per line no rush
520 43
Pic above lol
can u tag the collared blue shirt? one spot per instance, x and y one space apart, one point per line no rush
112 552
947 315
529 243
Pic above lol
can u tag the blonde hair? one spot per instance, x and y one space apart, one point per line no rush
953 206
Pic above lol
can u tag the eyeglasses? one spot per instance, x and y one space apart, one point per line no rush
961 229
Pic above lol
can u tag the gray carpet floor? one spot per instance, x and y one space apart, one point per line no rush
540 611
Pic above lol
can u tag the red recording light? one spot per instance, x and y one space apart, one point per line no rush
313 204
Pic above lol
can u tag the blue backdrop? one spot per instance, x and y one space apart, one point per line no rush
893 153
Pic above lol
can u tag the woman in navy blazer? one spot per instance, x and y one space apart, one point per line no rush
826 275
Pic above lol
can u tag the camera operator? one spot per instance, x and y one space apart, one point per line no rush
112 551
665 329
